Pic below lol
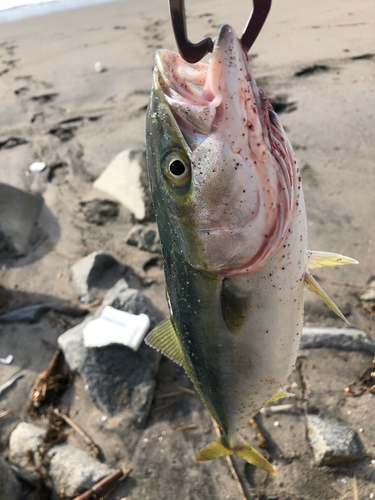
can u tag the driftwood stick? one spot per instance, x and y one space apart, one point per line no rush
40 387
80 431
10 382
188 391
5 413
169 395
231 466
103 485
186 427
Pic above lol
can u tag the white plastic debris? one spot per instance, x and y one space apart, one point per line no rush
37 166
116 327
99 68
276 424
7 360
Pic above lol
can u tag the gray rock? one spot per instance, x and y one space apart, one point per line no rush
126 179
347 339
19 211
29 314
145 238
116 377
87 271
64 464
98 211
333 443
10 488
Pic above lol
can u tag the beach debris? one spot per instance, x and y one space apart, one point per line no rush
347 339
10 382
5 413
117 378
37 166
7 360
126 179
105 486
19 211
87 272
145 238
116 327
333 443
98 67
99 211
49 383
10 487
28 314
369 294
60 464
268 410
364 384
187 427
94 447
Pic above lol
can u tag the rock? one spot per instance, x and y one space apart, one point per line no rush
29 314
98 211
116 377
126 179
19 211
64 464
333 443
347 339
369 295
87 271
144 238
10 488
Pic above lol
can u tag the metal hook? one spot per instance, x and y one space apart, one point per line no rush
194 52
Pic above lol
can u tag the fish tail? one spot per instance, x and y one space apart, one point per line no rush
218 449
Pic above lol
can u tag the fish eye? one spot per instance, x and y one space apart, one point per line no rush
178 171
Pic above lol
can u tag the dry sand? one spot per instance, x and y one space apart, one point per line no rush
328 112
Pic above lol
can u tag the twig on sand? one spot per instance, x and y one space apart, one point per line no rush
262 441
10 382
5 413
231 466
103 485
188 391
162 408
80 431
169 395
186 427
277 409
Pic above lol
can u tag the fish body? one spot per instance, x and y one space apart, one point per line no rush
229 205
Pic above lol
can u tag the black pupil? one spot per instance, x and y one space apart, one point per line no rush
176 167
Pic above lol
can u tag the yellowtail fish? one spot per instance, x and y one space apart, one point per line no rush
228 200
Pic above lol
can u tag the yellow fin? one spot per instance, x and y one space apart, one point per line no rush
322 259
281 394
164 338
217 449
316 288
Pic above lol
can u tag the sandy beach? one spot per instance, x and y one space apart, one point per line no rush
315 60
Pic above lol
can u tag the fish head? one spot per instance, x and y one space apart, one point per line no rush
222 171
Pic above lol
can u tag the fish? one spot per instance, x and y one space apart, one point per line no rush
228 201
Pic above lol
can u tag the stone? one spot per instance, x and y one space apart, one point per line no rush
333 443
347 339
98 211
87 271
10 488
145 238
116 377
369 295
64 464
28 314
19 212
126 179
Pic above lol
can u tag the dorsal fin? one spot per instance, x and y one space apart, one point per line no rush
281 394
164 338
317 259
312 285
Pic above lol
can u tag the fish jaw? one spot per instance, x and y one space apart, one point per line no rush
243 175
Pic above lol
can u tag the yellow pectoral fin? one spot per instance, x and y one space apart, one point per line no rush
164 338
312 285
322 259
280 394
217 449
